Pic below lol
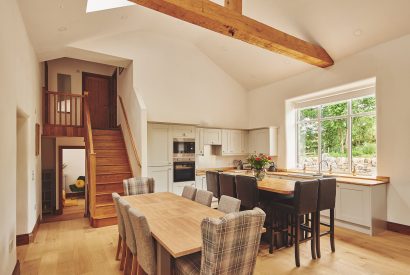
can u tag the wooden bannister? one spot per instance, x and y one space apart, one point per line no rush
127 125
63 109
91 157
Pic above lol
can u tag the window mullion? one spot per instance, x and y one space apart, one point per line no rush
349 129
319 137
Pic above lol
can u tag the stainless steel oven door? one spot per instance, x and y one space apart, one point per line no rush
184 171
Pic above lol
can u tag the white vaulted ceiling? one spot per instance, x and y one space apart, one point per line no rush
342 27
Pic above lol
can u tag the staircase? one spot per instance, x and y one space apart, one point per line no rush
112 167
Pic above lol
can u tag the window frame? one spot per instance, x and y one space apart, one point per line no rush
349 117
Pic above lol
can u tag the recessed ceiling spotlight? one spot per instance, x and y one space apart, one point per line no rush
358 32
62 29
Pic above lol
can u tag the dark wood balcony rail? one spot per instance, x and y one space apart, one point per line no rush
63 109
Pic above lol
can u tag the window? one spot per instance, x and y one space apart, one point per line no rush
341 135
64 87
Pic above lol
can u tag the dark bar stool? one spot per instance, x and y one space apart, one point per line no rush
247 191
304 202
227 185
326 201
212 183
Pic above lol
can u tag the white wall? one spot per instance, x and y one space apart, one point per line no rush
75 166
390 64
75 68
177 81
20 88
137 119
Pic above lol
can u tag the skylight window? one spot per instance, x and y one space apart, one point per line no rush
99 5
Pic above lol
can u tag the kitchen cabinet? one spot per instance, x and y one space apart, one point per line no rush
163 178
264 141
212 136
234 142
353 204
160 149
199 141
183 131
200 182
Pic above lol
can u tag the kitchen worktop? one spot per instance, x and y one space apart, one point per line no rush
356 180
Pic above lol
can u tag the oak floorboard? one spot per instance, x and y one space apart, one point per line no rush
73 247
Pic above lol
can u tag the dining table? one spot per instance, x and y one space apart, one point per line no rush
175 224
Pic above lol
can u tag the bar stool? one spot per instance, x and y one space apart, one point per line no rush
227 185
247 191
304 202
212 183
326 200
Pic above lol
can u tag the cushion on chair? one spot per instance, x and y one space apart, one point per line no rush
188 265
136 186
204 197
189 192
121 227
228 204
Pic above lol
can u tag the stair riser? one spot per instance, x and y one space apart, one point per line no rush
110 188
112 161
112 169
114 138
113 178
110 153
106 198
105 210
107 133
109 146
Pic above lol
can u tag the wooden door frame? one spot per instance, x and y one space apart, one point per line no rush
112 97
60 175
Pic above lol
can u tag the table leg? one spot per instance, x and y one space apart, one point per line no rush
164 261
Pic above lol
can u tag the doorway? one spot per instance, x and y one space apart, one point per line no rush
71 182
101 99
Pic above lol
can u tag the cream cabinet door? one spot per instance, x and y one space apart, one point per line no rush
235 142
183 131
353 204
264 141
163 178
212 136
199 141
159 145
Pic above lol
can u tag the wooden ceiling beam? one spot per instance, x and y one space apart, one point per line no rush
228 21
235 5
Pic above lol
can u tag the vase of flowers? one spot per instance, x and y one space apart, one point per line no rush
259 164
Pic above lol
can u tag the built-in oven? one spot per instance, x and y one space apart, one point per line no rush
184 146
184 171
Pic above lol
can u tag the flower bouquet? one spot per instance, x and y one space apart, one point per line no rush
259 163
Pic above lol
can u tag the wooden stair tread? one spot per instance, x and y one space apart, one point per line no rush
110 182
108 193
104 204
113 173
99 217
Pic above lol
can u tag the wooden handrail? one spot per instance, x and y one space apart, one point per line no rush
64 94
63 109
134 147
91 157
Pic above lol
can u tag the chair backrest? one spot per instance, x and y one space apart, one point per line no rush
327 194
189 192
136 186
212 183
227 185
144 241
129 233
224 250
306 196
120 219
204 197
247 191
229 205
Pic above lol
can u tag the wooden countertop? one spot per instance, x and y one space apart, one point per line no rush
295 175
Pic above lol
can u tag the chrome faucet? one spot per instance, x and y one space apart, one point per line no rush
320 165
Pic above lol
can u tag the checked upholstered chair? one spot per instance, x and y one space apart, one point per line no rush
136 186
224 251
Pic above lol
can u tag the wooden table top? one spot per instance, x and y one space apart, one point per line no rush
175 222
274 185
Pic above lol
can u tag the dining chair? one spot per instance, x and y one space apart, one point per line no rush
145 243
130 256
326 201
189 192
227 185
229 205
139 185
304 203
204 197
121 228
212 183
247 192
224 251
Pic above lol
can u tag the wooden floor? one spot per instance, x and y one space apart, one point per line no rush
73 247
69 212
